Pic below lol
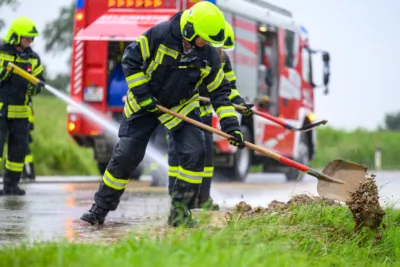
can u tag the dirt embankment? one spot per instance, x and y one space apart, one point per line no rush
363 204
244 210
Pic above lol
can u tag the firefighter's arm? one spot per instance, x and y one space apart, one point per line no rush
219 90
38 72
4 59
133 61
234 95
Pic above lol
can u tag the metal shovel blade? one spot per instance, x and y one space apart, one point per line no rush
350 173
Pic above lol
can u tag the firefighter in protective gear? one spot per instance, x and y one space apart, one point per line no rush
167 64
29 168
206 112
14 92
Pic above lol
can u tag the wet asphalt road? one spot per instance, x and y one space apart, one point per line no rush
53 205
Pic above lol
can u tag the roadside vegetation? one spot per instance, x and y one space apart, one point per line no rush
358 146
300 234
55 152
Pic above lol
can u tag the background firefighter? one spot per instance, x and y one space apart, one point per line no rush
14 108
167 63
206 111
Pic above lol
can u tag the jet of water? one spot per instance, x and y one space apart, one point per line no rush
109 126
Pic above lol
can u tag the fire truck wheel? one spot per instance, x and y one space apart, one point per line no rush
242 161
293 174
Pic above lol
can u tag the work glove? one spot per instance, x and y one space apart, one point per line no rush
33 89
247 112
150 105
4 74
240 101
237 139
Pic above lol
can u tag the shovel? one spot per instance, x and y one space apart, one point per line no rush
336 181
275 119
351 174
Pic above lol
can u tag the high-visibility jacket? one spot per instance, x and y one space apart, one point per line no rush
206 108
155 66
13 91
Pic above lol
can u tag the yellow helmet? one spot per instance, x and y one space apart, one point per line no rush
206 20
229 43
20 27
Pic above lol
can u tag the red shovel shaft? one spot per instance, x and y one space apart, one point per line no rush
272 118
278 157
264 151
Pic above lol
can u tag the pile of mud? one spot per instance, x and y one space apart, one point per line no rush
364 205
244 210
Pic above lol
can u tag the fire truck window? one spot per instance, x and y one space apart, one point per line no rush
289 48
306 66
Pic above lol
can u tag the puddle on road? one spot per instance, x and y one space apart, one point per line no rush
44 215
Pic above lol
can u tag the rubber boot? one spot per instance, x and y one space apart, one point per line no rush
205 201
96 215
183 196
10 184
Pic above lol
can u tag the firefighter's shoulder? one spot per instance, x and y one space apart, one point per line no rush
5 47
159 32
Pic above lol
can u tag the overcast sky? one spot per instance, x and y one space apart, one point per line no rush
362 36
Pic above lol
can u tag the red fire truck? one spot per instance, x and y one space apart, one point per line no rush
272 60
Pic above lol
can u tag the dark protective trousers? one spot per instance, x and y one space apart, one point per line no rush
17 131
29 168
173 163
134 136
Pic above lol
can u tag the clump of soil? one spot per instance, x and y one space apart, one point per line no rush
244 210
364 205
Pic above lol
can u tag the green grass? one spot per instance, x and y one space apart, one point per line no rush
55 152
357 146
305 235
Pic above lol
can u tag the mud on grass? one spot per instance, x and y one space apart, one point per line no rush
306 232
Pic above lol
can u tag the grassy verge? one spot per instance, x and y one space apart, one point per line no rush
55 152
357 146
303 235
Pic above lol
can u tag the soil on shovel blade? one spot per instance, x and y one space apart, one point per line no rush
365 207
